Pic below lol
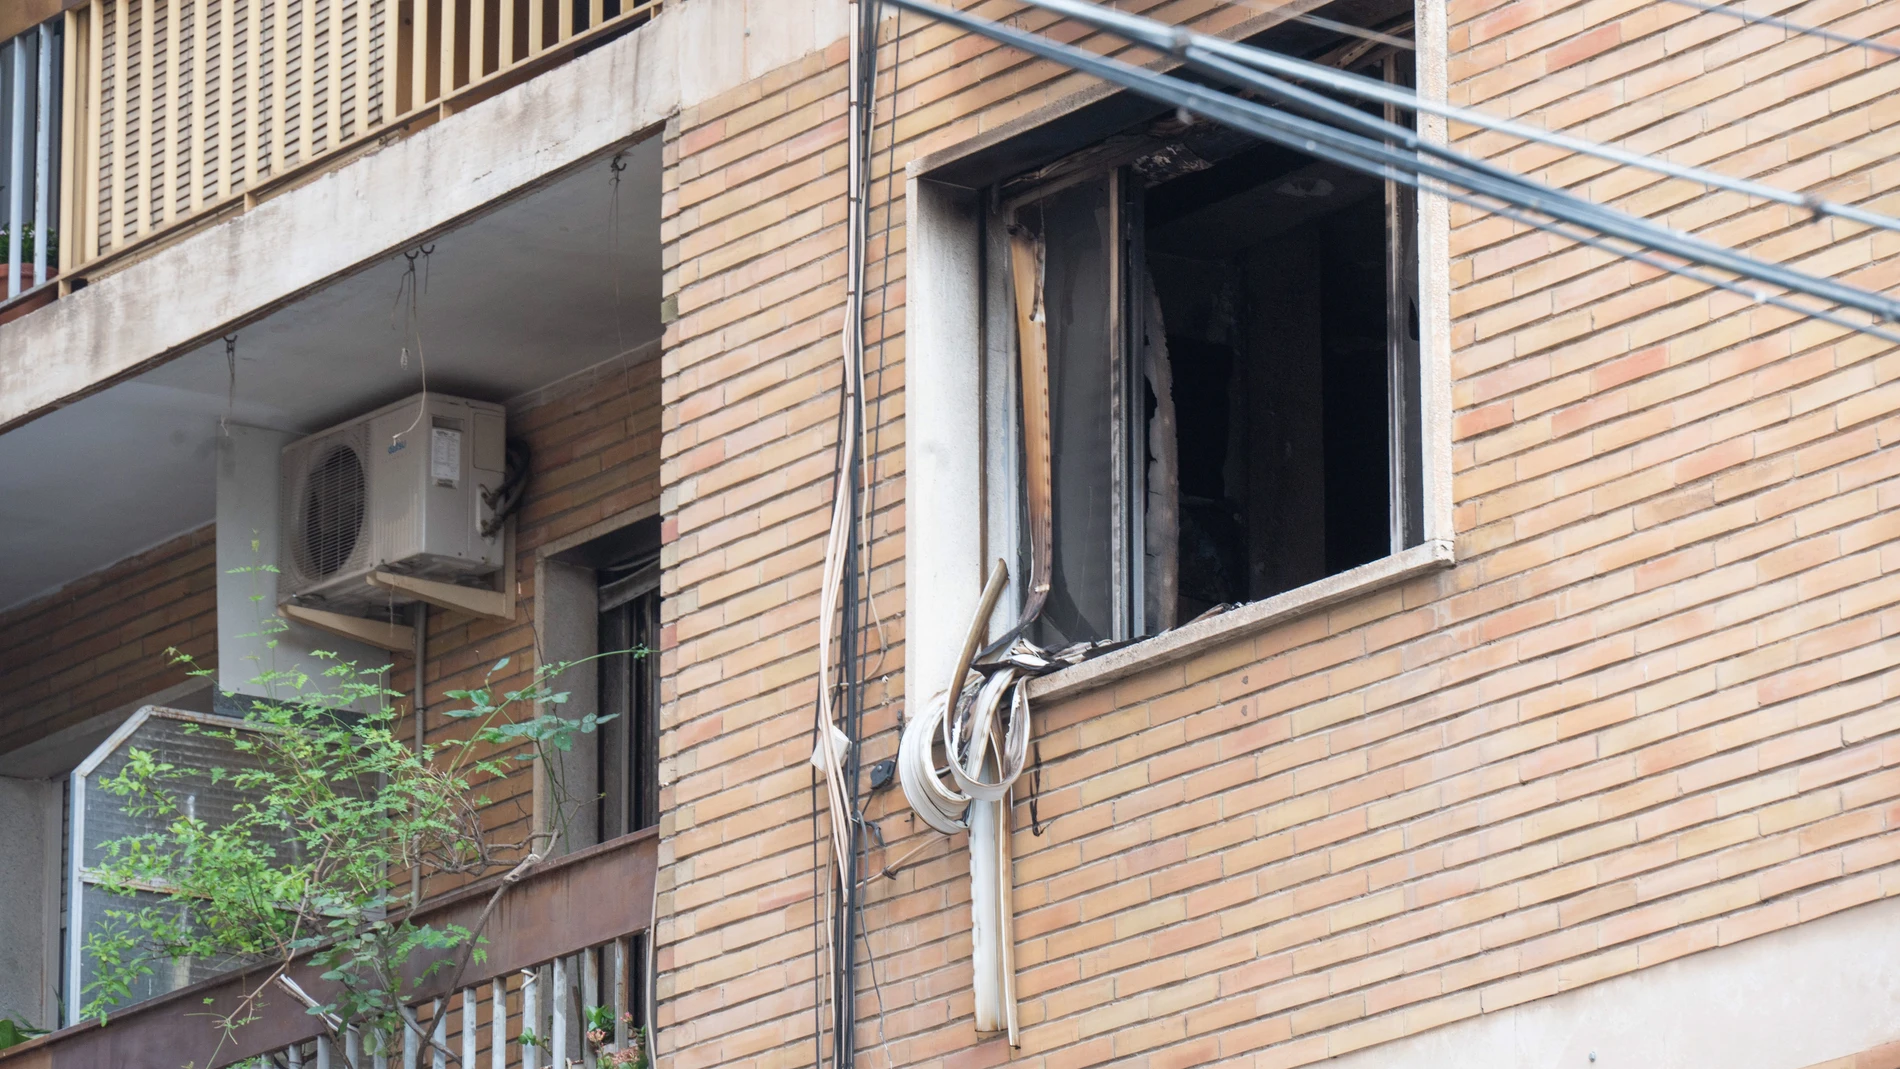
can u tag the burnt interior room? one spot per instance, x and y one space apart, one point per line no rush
1269 295
1233 342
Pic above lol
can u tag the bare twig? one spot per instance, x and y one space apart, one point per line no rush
514 876
331 1022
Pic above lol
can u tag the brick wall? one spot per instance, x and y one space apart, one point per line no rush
594 442
99 643
1885 1056
1651 711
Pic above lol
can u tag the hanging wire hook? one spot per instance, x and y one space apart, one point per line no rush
414 326
615 167
230 398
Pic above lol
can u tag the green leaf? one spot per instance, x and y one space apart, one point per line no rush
12 1034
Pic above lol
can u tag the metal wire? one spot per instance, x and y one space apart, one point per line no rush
1791 27
1384 160
1484 177
1165 38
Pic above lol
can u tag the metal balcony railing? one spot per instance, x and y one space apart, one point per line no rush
569 937
30 78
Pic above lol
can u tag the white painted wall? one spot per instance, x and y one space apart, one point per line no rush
1820 990
943 560
248 487
944 567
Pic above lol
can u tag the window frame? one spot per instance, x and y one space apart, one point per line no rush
629 691
963 451
566 624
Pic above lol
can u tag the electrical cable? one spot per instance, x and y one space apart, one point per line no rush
1791 27
1213 55
872 428
1576 226
1170 39
504 500
1607 222
841 585
1386 161
414 324
817 973
883 337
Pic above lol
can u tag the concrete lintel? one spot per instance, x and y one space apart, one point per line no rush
239 270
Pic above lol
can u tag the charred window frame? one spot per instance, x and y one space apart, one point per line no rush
1133 502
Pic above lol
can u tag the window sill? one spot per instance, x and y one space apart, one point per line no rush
1197 637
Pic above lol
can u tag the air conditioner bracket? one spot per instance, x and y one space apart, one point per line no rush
384 635
491 604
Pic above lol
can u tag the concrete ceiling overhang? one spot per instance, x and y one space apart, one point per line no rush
302 239
543 286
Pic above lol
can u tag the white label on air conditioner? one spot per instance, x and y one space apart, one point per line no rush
445 455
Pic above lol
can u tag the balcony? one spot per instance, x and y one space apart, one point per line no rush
125 124
561 940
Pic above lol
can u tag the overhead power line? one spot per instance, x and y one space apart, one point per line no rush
1791 27
1165 38
1388 150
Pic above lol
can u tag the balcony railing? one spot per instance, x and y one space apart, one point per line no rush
561 941
178 111
30 79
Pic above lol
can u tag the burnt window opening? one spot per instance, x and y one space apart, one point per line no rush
1233 337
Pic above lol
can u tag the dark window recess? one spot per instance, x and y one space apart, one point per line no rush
630 694
1234 383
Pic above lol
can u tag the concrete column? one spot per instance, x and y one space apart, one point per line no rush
29 901
567 621
944 567
248 488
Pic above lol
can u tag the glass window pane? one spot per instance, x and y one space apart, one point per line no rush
1076 226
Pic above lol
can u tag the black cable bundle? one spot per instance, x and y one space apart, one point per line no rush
505 500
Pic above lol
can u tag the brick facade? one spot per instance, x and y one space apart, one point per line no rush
594 443
99 643
1650 711
1885 1056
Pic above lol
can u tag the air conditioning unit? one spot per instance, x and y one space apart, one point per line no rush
393 490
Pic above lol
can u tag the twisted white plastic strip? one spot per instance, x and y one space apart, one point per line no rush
978 728
941 805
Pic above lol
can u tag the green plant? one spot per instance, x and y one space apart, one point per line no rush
13 1034
333 803
600 1021
26 244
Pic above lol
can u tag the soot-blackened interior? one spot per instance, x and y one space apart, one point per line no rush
1269 271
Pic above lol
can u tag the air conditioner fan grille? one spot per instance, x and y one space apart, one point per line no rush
335 499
